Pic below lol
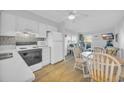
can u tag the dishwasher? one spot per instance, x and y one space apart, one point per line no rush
14 69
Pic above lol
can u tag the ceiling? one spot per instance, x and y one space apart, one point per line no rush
96 21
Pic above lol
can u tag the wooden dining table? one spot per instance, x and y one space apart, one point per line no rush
85 55
121 61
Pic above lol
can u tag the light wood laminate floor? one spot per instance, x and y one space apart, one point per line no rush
60 72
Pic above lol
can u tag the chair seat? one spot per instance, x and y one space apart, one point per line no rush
79 60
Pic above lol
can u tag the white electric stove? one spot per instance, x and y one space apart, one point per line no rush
32 55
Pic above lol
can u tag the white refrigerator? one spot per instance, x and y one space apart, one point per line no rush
56 42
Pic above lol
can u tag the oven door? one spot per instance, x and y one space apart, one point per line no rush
31 57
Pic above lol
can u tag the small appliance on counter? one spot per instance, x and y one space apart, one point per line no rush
42 43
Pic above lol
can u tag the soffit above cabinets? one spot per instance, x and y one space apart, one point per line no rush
97 20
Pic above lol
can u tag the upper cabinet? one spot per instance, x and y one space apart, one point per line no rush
41 30
26 25
8 24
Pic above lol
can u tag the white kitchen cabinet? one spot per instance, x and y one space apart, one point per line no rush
8 24
26 25
45 56
41 30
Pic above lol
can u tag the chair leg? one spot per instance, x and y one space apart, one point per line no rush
75 64
85 71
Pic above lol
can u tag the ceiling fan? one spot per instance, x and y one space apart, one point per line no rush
74 15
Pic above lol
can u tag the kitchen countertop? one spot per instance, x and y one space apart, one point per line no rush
11 48
8 51
27 47
5 48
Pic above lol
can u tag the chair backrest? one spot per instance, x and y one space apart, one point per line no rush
77 52
112 51
104 68
98 50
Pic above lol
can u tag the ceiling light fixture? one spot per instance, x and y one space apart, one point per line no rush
71 16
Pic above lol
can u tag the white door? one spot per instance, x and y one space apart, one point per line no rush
8 24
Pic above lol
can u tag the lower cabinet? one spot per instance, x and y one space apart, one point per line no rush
45 56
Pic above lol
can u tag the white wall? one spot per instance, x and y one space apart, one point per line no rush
119 29
122 42
121 35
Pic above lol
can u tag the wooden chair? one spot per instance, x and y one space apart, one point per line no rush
104 68
79 61
112 51
99 50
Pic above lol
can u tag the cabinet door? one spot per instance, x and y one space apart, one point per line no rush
33 25
8 24
42 30
21 24
26 25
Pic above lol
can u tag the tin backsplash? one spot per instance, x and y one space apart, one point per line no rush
11 40
7 40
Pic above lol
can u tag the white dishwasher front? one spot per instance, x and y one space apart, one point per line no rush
14 69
